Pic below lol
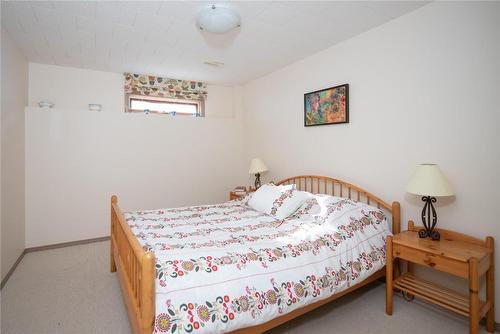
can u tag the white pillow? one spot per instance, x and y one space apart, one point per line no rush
279 201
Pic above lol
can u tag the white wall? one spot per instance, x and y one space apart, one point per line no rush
14 99
76 159
423 88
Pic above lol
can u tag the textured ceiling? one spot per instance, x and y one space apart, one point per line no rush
161 38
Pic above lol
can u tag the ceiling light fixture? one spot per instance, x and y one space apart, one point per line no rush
218 19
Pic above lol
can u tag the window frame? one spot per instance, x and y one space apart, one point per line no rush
200 105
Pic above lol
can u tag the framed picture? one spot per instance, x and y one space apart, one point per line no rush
327 106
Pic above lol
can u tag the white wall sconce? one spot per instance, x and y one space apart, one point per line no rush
45 104
95 107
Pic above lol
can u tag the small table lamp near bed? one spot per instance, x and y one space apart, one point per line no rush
257 166
429 182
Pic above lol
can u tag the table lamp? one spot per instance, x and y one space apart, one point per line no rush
257 167
429 182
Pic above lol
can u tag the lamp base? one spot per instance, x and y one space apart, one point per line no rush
257 181
434 235
429 212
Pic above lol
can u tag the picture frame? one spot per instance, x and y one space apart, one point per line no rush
327 106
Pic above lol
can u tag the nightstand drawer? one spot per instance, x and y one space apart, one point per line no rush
440 263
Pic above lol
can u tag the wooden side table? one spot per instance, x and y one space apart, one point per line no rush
233 196
456 254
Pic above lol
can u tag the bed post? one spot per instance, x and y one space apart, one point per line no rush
396 228
396 218
148 292
112 264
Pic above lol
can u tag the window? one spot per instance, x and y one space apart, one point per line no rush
164 105
158 95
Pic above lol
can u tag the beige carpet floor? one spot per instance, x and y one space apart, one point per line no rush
69 290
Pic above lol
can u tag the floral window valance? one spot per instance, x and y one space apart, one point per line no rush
149 85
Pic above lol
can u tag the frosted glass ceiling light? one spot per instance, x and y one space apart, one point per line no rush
218 19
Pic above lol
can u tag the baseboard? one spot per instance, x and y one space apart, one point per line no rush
66 244
47 247
11 270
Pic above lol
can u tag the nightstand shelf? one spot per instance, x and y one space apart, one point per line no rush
438 295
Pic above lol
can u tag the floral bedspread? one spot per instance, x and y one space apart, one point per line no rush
224 267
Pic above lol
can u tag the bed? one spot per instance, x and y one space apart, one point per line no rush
228 268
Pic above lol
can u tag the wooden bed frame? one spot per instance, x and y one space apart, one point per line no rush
136 267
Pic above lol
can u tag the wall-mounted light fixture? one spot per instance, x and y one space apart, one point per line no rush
95 107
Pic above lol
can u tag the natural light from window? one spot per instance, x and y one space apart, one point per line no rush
163 107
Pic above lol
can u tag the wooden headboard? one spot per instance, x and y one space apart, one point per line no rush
330 186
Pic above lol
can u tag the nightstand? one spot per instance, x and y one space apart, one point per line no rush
233 195
456 254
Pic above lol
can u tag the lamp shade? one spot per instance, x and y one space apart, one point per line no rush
257 166
428 180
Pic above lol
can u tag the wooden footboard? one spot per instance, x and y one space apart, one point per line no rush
136 270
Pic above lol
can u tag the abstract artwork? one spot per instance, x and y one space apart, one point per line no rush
327 106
